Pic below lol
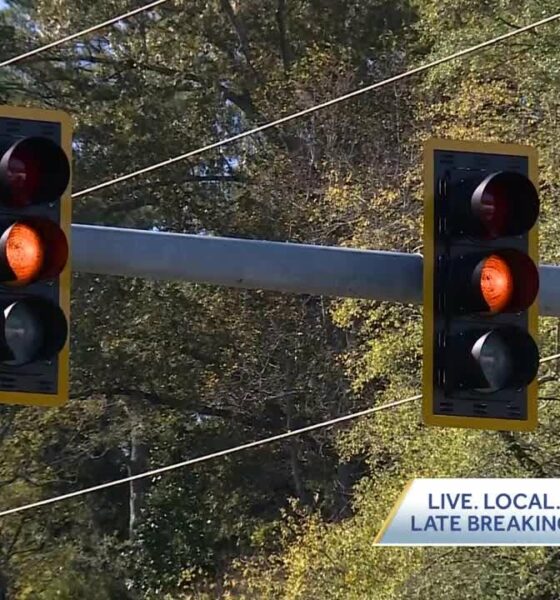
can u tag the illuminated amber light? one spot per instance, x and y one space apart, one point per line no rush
25 253
496 283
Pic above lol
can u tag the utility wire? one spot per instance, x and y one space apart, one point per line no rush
220 143
549 358
207 457
220 453
73 36
307 111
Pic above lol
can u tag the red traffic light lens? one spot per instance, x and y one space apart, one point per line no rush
505 204
30 250
34 170
24 176
34 329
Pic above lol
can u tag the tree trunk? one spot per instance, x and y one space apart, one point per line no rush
3 586
137 463
345 479
297 475
138 487
295 467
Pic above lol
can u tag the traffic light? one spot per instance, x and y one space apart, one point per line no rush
480 285
35 217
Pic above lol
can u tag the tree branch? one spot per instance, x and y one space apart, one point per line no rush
10 414
241 34
129 63
245 103
523 454
9 551
159 400
285 49
512 25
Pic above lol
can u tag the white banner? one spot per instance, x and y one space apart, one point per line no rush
473 512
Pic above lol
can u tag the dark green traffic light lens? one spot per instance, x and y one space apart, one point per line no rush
495 361
24 333
505 358
33 329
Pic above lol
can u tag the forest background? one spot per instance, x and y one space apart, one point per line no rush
163 372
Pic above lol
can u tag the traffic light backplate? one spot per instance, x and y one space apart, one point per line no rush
35 221
480 285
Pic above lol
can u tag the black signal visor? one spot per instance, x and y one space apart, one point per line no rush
504 204
34 170
500 205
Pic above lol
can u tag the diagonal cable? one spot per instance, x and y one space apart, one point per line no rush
221 453
73 36
308 111
549 358
207 457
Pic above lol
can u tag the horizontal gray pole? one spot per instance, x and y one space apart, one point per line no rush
255 264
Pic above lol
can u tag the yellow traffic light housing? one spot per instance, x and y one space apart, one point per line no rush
480 285
35 221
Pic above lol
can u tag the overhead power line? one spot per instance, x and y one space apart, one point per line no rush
73 36
308 111
207 457
221 453
550 358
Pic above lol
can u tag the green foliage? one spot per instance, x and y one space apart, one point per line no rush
164 372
